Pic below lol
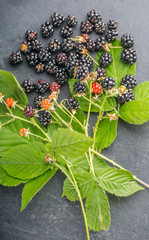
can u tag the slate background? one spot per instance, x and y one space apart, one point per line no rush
48 216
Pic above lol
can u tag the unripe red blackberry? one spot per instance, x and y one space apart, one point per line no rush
97 88
29 112
54 87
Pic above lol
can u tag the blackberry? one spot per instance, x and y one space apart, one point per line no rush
100 27
61 76
44 55
54 87
15 58
40 67
66 31
96 88
47 29
41 86
100 43
127 40
67 45
79 87
111 35
86 27
45 118
54 45
36 45
38 101
61 59
84 38
57 19
31 35
71 21
80 48
28 86
126 97
86 61
129 81
32 59
80 72
71 63
29 112
101 72
25 47
93 16
72 104
129 56
51 67
91 45
108 83
112 24
105 59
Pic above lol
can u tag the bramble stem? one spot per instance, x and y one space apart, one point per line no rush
44 139
92 58
89 107
2 125
95 104
66 124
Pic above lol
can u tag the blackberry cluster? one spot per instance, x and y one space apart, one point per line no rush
112 24
28 86
80 72
61 59
105 59
111 35
86 27
31 35
79 87
45 118
127 40
51 67
80 48
54 45
41 86
15 58
108 83
100 43
29 112
61 76
38 101
44 55
32 59
72 104
47 29
129 81
40 67
86 61
57 19
67 45
91 45
93 16
66 31
129 56
36 45
126 97
71 21
100 27
101 72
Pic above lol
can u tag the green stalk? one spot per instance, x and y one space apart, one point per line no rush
66 124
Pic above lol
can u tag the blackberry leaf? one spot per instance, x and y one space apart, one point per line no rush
141 92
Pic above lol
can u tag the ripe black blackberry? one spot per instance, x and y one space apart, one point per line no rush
105 59
51 67
72 104
41 86
29 112
79 87
40 67
44 55
126 97
111 35
80 72
100 27
28 86
25 47
129 81
84 38
127 40
86 61
61 59
93 16
101 72
91 45
61 76
100 43
45 118
66 31
71 21
112 24
54 45
47 29
31 35
15 58
32 58
108 83
36 45
57 19
80 48
72 62
129 56
86 27
38 101
67 45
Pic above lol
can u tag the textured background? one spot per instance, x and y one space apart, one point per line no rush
48 216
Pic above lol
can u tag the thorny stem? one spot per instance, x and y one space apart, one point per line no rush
35 124
93 103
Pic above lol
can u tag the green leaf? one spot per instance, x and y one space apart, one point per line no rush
79 162
51 128
135 112
117 181
8 181
70 144
97 213
69 191
9 87
117 68
106 133
141 92
32 187
25 161
99 164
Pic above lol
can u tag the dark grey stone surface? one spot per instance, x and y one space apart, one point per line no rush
48 216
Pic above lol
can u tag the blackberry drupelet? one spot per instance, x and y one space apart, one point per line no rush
41 86
71 21
80 72
80 48
61 59
129 56
32 59
93 16
67 45
28 86
100 43
79 87
40 67
25 47
57 19
112 24
54 45
100 27
45 118
51 67
61 76
86 27
44 55
54 87
126 97
38 101
86 61
91 45
108 83
129 81
105 59
101 72
66 31
36 45
29 112
31 35
127 40
15 58
47 29
111 35
72 104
